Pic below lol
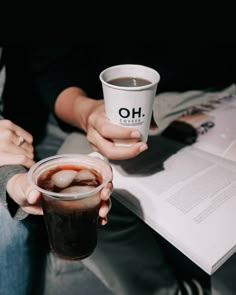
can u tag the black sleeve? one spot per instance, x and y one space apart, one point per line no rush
58 66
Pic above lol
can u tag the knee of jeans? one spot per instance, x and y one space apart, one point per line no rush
15 233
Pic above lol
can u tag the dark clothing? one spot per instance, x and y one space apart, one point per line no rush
181 67
35 75
38 74
22 103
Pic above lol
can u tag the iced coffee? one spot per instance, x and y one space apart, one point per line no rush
71 200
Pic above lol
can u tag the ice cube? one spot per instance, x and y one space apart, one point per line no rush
85 174
77 189
63 178
84 203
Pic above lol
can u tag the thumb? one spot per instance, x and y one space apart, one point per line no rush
33 196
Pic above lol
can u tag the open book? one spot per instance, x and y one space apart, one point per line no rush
187 193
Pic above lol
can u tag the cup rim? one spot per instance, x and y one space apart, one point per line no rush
73 195
133 88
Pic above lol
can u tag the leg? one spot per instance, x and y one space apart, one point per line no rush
128 258
18 254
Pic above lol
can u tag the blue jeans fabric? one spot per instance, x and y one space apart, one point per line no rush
20 254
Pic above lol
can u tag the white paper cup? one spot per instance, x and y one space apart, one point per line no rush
130 106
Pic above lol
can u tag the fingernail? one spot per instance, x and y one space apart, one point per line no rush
143 147
31 197
104 221
104 212
106 192
135 134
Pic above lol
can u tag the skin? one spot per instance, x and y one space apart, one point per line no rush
29 199
10 152
18 187
76 109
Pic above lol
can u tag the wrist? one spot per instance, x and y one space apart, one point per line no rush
12 185
73 107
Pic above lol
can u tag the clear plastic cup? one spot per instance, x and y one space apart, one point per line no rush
71 207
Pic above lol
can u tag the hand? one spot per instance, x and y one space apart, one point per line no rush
15 145
75 108
101 134
106 203
29 199
24 195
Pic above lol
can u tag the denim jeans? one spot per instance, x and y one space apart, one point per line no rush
22 254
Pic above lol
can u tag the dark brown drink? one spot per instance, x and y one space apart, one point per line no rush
129 82
71 224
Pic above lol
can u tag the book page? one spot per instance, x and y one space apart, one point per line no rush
186 195
215 124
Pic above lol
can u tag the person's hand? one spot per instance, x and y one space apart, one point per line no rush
29 199
75 108
106 203
15 145
102 134
24 194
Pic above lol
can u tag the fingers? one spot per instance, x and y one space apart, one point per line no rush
10 147
99 122
21 132
15 159
9 129
105 208
21 140
103 211
33 203
103 221
102 136
15 145
115 152
105 203
113 131
107 191
24 195
35 210
25 149
100 142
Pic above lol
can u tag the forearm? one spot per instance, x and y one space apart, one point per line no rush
73 107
